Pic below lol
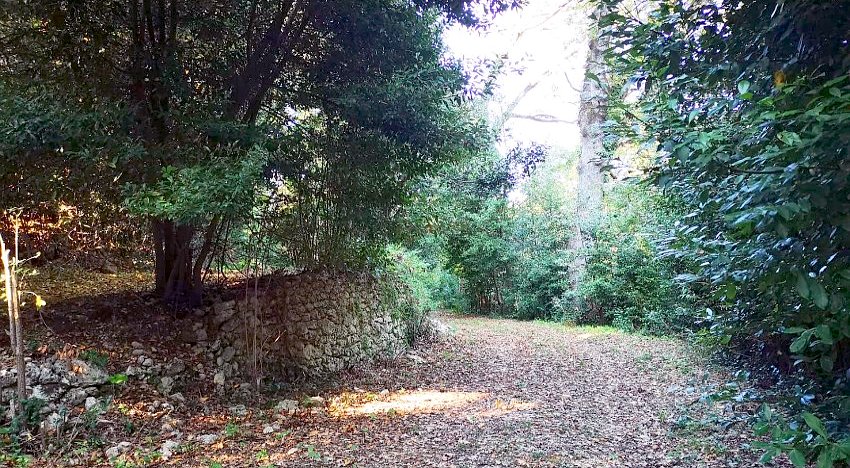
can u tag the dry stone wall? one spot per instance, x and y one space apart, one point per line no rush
302 325
307 324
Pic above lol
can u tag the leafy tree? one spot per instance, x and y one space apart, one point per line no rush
543 228
202 101
629 282
54 167
468 207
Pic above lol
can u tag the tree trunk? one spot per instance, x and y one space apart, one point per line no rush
15 328
19 346
592 114
178 271
8 291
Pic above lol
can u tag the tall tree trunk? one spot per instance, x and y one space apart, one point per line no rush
7 276
592 114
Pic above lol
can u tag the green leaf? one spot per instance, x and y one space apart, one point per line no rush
769 454
826 458
815 423
797 458
118 379
843 448
824 333
803 286
693 114
826 363
819 294
766 412
743 86
731 291
800 343
789 138
312 453
685 278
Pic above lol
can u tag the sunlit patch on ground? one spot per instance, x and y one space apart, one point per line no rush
501 407
587 332
407 402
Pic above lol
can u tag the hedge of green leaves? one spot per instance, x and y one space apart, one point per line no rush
747 104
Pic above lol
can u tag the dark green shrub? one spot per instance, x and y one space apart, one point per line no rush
746 103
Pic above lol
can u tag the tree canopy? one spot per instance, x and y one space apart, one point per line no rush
184 113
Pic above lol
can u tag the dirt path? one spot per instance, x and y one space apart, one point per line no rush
503 393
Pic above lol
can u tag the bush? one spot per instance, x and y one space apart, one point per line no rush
432 287
751 129
627 283
414 288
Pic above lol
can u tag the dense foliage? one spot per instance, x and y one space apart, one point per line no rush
500 225
746 103
628 282
494 238
191 115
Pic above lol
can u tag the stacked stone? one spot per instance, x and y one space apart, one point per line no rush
218 338
60 384
307 324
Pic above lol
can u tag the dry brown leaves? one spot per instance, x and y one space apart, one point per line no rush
500 393
496 393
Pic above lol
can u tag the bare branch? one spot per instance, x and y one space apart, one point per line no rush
545 118
570 83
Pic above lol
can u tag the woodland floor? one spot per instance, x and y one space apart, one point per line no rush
508 393
491 393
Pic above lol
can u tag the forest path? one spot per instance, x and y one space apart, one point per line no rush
509 393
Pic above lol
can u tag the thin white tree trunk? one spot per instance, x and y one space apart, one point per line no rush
8 290
15 327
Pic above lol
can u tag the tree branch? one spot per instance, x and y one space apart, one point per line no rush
545 118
